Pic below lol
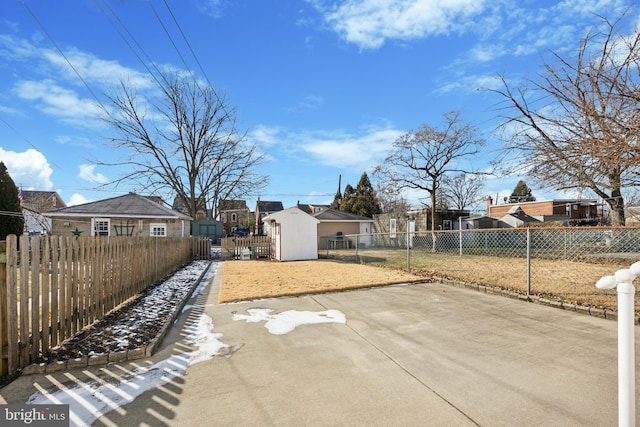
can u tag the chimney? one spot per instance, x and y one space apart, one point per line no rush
489 204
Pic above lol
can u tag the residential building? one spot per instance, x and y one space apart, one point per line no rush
128 215
232 213
264 208
41 201
179 206
569 211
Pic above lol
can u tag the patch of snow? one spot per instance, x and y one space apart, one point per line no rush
287 321
89 401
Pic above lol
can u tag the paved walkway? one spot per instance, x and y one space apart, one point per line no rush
426 354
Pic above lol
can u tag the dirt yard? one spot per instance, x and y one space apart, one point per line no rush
247 280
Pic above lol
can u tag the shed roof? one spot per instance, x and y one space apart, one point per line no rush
293 210
332 215
128 206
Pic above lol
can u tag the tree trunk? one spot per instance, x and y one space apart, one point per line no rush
434 235
616 204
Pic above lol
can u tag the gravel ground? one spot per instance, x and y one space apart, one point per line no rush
135 324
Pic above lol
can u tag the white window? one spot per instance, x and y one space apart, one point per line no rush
234 218
101 226
158 230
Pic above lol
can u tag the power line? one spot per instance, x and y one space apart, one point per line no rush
132 37
184 37
55 44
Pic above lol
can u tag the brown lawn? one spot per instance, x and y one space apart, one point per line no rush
247 280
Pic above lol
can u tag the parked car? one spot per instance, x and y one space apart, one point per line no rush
239 232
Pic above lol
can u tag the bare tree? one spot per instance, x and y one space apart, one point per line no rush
421 159
391 201
577 126
185 140
462 190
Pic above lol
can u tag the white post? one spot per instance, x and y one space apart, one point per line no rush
623 282
626 349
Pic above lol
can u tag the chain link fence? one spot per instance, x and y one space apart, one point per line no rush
560 265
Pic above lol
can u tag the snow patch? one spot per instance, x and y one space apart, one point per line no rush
90 400
287 321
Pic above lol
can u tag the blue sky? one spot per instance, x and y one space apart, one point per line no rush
322 87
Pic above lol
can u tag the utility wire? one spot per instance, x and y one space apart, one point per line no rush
135 41
55 44
184 37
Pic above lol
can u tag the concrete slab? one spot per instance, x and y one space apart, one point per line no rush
427 354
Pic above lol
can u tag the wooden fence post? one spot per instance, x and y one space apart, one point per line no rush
4 339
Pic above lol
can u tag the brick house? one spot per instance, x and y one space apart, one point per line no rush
42 201
571 210
232 212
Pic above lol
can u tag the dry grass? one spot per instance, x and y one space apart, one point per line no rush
562 280
566 281
247 280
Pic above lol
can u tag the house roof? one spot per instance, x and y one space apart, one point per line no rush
265 206
232 205
332 215
128 206
178 204
311 208
40 199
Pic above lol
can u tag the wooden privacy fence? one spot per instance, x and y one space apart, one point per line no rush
51 287
257 246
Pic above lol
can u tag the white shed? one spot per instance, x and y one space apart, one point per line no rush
294 233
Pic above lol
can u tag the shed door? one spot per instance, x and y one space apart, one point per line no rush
276 242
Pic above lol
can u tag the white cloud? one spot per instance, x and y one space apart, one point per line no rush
213 8
309 102
344 150
28 169
58 101
368 23
77 199
87 173
338 149
265 135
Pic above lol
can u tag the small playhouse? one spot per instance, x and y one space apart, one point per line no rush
294 234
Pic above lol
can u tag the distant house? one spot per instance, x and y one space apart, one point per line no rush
294 234
515 218
570 211
264 208
446 219
310 208
34 204
179 206
41 201
232 212
479 222
128 215
334 227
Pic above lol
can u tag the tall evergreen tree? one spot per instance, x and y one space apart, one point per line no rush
348 198
522 193
337 200
365 202
12 221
